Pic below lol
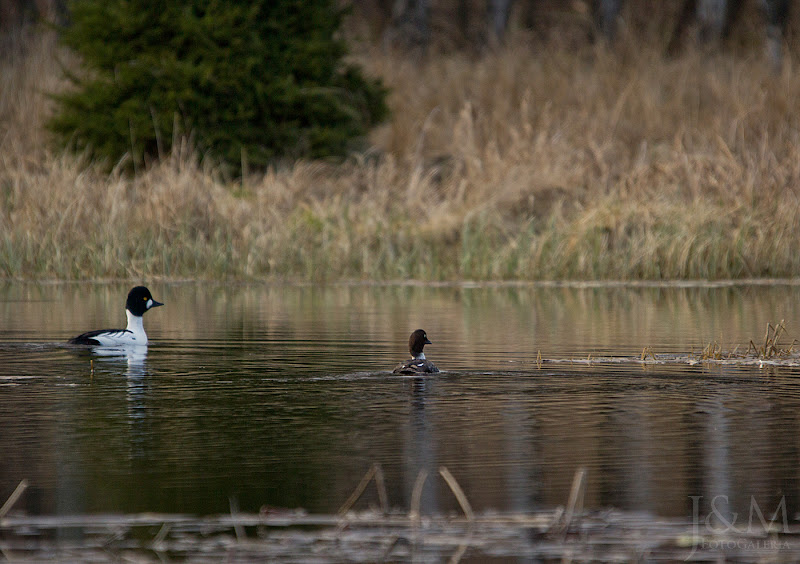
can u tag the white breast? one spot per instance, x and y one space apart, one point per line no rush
132 335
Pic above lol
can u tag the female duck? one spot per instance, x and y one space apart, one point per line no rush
418 363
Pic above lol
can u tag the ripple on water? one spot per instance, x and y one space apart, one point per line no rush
283 396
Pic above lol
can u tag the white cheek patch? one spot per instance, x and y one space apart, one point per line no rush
149 303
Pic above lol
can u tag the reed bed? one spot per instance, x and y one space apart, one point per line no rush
524 163
282 535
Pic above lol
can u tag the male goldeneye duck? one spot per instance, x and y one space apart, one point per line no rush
139 301
418 363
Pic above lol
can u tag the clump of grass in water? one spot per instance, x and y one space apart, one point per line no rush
712 351
771 348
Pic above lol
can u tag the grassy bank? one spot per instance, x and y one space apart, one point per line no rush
518 165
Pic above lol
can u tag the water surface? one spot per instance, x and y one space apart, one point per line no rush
282 396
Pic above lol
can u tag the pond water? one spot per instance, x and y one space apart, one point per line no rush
282 396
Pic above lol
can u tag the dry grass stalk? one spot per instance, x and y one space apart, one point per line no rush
163 532
458 492
519 165
647 351
416 497
712 351
604 536
771 348
375 471
574 506
12 499
233 503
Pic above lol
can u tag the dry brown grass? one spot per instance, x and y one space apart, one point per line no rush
772 348
521 164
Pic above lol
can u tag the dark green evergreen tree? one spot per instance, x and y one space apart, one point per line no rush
259 78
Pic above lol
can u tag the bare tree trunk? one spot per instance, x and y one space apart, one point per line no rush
711 17
606 13
16 13
462 17
776 14
410 24
498 13
685 17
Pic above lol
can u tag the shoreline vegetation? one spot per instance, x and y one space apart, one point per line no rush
570 164
277 533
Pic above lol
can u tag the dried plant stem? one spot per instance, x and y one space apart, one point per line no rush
375 471
518 165
12 499
574 504
458 492
233 502
416 497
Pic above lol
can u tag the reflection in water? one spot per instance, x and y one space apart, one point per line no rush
420 447
520 458
282 396
133 359
136 378
716 463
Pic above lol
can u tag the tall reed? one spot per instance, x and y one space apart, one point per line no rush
517 165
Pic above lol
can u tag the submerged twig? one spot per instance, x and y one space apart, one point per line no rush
393 540
574 504
458 554
162 534
383 498
237 527
458 492
12 499
465 507
375 471
416 496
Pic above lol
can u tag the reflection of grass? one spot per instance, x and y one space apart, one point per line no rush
515 166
